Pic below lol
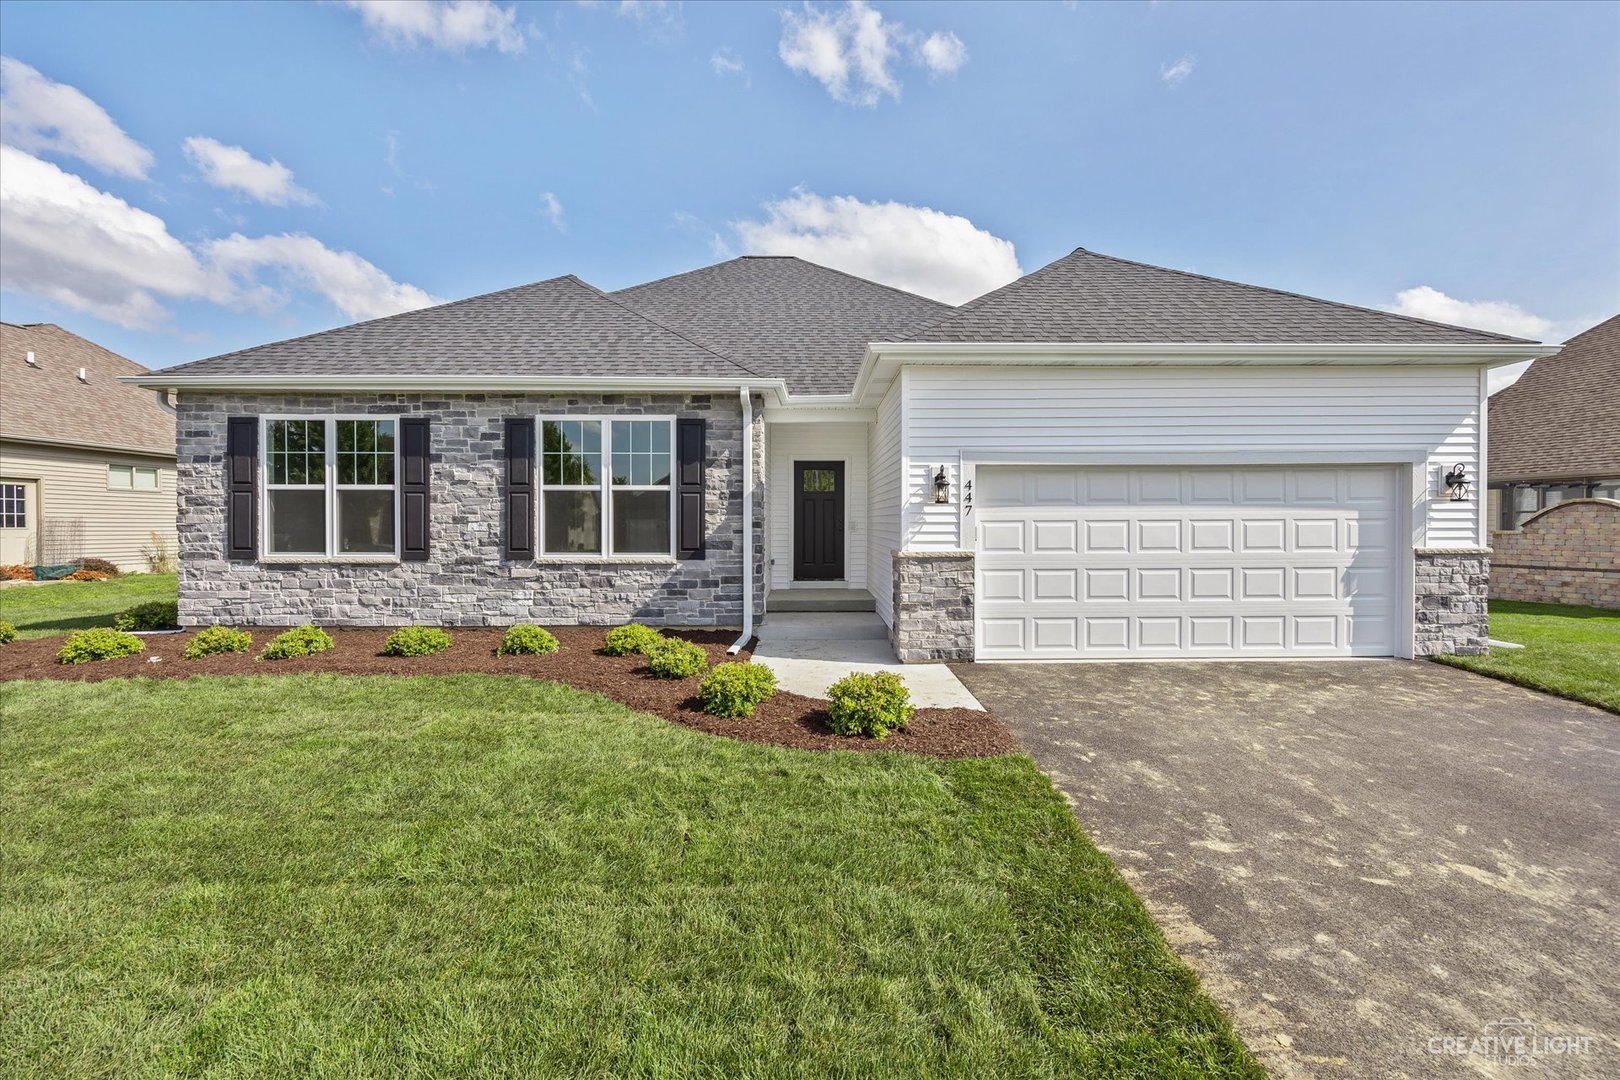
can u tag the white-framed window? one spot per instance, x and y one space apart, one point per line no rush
330 486
606 485
131 478
13 506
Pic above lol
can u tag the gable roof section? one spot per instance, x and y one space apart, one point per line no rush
47 403
784 317
560 327
1561 420
1087 297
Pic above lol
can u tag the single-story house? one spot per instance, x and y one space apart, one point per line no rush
86 461
1101 460
1555 433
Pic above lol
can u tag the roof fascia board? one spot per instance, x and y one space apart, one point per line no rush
75 444
156 380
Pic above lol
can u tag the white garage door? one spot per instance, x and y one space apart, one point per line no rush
1113 563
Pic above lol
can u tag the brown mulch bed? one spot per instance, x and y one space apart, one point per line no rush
784 720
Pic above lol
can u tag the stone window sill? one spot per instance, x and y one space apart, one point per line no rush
329 560
605 560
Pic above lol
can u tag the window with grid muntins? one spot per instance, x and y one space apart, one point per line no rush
13 506
623 509
330 486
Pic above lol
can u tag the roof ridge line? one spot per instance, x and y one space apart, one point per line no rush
795 258
665 326
1296 295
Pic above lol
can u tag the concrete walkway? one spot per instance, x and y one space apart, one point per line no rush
809 651
1361 858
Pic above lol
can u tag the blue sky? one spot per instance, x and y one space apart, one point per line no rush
184 180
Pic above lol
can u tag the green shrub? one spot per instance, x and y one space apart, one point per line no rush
733 690
299 641
83 646
625 640
416 641
672 658
216 640
8 633
527 641
863 704
152 615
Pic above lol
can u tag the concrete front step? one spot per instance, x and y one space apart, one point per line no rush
823 626
820 600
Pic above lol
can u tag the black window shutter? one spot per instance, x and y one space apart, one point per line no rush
520 456
689 452
242 498
413 489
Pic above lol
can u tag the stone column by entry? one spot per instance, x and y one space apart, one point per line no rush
933 606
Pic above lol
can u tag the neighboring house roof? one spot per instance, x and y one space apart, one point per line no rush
558 327
1561 420
786 318
47 402
1087 297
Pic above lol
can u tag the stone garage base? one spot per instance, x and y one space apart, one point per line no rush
933 605
1449 595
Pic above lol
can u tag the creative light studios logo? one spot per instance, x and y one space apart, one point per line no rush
1511 1041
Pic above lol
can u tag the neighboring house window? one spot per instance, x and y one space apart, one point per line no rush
329 486
1520 502
624 507
13 507
131 478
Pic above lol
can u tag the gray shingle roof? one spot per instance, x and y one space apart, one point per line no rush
557 327
1561 420
47 402
1086 297
784 317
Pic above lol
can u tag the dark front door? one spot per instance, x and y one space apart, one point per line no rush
818 520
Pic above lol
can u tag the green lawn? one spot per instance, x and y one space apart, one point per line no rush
493 876
1570 651
61 606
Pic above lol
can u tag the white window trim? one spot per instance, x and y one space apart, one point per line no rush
134 471
605 487
331 487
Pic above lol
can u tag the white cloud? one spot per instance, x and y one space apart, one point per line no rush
85 249
915 248
1503 377
726 63
353 285
848 50
656 15
448 25
1497 316
552 208
942 52
42 116
1175 74
233 168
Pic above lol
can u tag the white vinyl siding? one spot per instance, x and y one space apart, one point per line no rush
72 486
1037 414
817 442
883 523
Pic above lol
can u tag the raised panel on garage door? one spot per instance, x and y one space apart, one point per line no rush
1113 563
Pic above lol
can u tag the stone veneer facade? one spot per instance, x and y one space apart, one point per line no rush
1569 554
933 606
1451 586
466 581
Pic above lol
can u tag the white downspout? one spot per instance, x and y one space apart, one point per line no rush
748 524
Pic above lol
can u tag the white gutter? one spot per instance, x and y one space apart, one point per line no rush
747 524
158 380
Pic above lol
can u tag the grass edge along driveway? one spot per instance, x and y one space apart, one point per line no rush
1570 651
344 876
59 607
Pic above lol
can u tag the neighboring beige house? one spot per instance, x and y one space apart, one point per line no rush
86 462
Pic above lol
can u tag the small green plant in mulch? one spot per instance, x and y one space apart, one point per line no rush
628 640
101 643
869 704
416 641
672 658
527 641
152 615
8 633
734 690
216 640
299 641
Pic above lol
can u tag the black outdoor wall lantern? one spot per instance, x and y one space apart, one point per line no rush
1457 482
942 486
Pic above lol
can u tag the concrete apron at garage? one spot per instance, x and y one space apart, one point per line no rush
1360 858
811 650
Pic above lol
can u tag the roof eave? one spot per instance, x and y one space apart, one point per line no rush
157 380
883 356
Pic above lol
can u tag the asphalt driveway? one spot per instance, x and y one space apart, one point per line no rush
1360 859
